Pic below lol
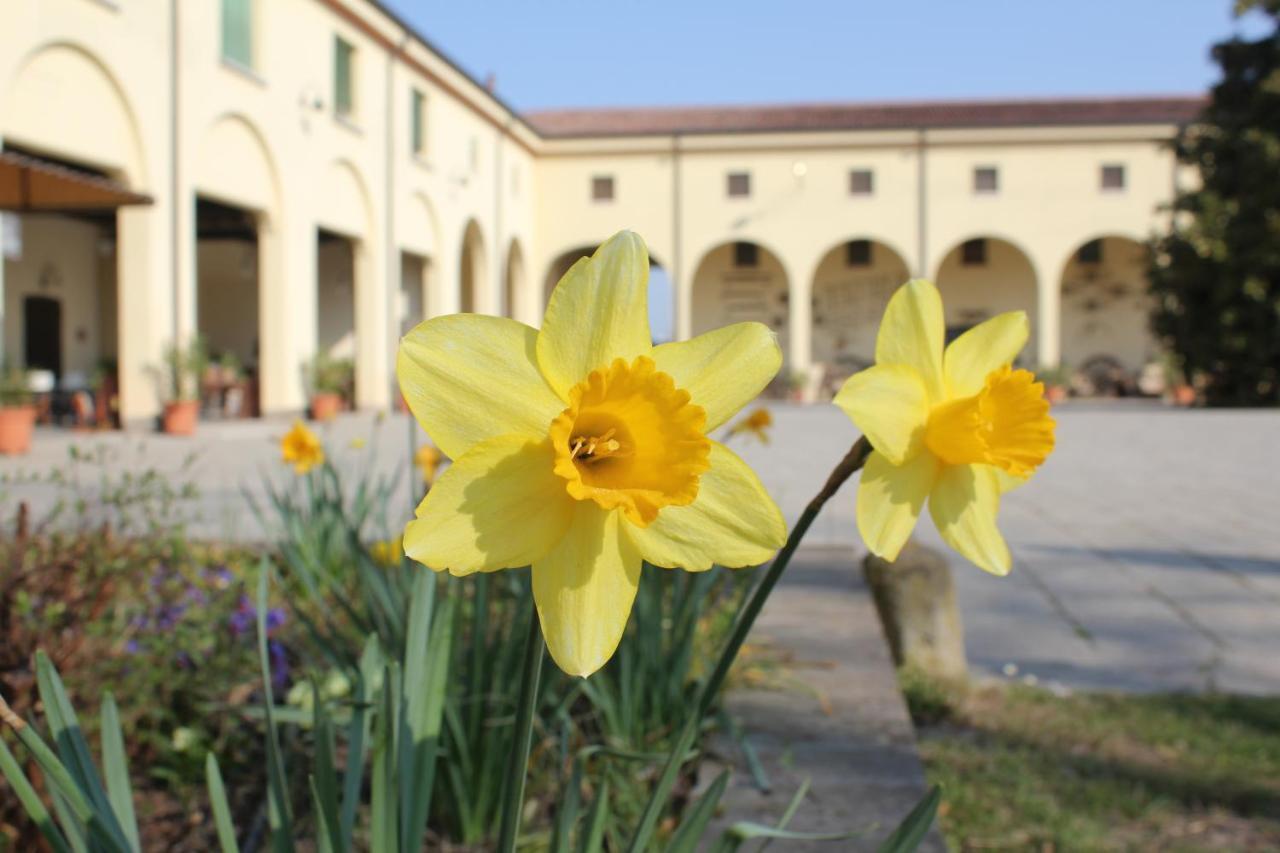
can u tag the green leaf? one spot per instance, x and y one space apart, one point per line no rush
426 675
695 822
116 766
324 781
279 813
218 802
907 837
30 800
592 840
324 820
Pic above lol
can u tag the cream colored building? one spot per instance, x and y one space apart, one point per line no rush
319 177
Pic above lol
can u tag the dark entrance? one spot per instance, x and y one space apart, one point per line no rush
42 330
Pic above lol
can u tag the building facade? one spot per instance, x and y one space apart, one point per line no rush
318 178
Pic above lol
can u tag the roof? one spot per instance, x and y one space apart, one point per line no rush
33 184
661 121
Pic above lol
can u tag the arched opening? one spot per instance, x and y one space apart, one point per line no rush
1105 306
87 268
851 287
227 307
418 296
472 272
737 282
513 283
661 293
985 276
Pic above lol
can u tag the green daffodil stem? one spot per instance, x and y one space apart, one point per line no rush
852 461
517 770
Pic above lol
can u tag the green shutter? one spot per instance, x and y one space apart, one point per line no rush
342 101
417 126
237 31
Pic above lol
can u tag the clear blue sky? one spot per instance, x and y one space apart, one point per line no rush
549 53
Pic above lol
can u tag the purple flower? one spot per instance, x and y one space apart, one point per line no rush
279 663
275 618
131 647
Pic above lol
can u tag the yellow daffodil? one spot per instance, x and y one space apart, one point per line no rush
387 552
958 428
428 459
757 424
358 443
301 448
582 449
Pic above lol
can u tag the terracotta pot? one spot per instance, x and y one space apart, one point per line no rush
325 406
1055 393
16 426
180 417
1184 395
401 404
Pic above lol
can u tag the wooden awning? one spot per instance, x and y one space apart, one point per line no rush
29 184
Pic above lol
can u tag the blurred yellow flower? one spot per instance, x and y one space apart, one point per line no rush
428 459
581 449
956 428
358 443
301 448
387 552
757 424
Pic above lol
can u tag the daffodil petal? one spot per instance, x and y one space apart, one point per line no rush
890 498
963 504
584 588
912 333
1008 482
722 370
598 312
497 506
986 347
890 405
733 522
469 377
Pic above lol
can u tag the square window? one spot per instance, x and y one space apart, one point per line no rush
739 184
418 119
857 253
861 182
973 253
602 188
986 179
1090 253
746 255
1113 176
237 32
344 55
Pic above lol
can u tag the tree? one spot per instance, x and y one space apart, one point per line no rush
1215 276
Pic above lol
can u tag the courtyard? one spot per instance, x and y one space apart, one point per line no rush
1146 554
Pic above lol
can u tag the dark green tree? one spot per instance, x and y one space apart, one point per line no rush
1216 275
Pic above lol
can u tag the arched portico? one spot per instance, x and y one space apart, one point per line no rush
513 283
1105 306
739 281
473 281
983 276
851 287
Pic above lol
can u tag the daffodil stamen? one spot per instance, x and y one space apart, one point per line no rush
631 440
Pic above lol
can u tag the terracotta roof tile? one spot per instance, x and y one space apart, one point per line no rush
649 121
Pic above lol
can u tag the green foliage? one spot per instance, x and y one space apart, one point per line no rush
183 370
13 386
329 375
1216 275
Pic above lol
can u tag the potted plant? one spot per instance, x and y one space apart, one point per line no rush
1178 390
184 368
17 412
1056 382
331 382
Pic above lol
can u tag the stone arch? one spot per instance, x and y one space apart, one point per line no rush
852 283
985 275
473 269
1104 304
66 101
234 165
514 282
733 282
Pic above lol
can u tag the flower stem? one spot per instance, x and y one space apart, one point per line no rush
517 769
852 461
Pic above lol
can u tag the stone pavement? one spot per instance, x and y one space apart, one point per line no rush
831 713
1146 551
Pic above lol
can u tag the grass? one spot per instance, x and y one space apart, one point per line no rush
1024 769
